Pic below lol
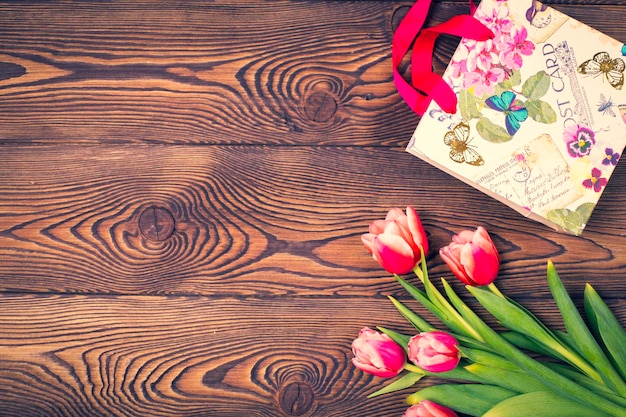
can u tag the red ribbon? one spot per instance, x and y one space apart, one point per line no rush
426 85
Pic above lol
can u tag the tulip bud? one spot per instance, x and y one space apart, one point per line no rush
434 351
427 408
377 354
472 257
396 241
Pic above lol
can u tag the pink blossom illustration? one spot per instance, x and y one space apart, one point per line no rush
513 47
495 19
483 57
485 82
484 64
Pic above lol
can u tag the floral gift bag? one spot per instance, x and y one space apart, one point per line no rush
533 114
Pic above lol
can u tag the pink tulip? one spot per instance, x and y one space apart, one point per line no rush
427 408
377 354
396 241
472 257
434 351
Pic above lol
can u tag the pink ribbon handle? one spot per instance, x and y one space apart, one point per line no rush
427 85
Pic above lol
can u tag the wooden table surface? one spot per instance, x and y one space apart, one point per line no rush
183 186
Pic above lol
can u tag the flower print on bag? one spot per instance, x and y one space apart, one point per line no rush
579 140
610 157
596 181
482 65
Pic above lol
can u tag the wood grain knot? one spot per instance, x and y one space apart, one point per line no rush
296 398
156 224
320 106
10 70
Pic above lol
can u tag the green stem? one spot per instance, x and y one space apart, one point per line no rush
418 272
413 368
492 287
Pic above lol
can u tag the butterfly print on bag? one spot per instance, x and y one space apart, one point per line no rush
460 149
602 64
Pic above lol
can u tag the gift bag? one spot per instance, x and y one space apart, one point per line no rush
531 109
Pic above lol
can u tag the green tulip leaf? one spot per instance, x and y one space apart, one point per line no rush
586 382
559 383
456 322
542 404
540 111
536 86
488 358
405 381
517 381
399 338
417 321
524 342
580 336
491 132
514 317
434 305
606 328
461 307
470 399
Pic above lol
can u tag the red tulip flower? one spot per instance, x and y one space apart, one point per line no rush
427 408
434 351
377 354
396 241
472 257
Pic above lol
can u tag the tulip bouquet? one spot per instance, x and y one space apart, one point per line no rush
525 370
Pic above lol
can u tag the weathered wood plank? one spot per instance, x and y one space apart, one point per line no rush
258 221
190 356
197 72
280 72
157 356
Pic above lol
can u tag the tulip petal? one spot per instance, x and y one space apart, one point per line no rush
482 239
400 227
377 354
452 260
368 241
465 236
393 253
393 214
434 351
417 229
480 266
377 226
431 409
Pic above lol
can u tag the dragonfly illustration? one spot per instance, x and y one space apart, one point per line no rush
605 106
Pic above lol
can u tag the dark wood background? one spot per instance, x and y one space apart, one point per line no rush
182 190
